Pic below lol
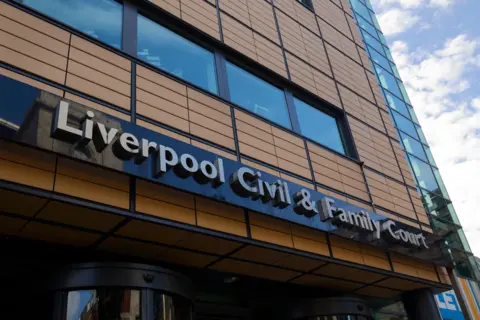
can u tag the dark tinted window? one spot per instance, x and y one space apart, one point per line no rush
257 96
100 19
307 3
167 50
318 126
105 303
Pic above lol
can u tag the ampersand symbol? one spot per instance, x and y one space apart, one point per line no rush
303 204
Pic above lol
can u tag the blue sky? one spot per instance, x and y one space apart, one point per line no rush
436 46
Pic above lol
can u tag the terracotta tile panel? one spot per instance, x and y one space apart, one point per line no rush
33 83
34 23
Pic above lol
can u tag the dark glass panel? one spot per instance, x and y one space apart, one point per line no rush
166 307
103 304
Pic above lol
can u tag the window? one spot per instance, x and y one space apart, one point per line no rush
388 81
378 58
307 3
396 104
424 175
100 19
366 26
361 9
104 303
404 92
318 126
430 156
257 96
168 307
371 41
404 124
413 146
168 51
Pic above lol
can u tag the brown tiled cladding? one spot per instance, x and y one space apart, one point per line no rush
412 267
337 173
50 52
390 194
256 14
32 44
349 250
332 14
271 145
374 149
253 44
361 108
199 13
164 100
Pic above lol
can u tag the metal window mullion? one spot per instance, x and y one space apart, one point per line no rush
129 28
292 111
222 77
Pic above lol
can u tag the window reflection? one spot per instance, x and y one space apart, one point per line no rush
397 104
371 41
361 9
100 19
104 304
171 307
168 51
388 81
366 26
413 146
318 126
424 175
381 60
257 96
405 125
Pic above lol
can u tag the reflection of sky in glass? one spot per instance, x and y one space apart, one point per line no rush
405 125
175 54
101 19
77 302
413 146
258 96
424 175
319 126
16 100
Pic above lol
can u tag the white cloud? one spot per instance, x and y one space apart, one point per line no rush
441 3
411 4
408 4
396 21
436 82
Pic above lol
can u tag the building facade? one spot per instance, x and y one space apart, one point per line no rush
214 159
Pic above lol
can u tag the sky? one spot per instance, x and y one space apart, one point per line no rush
436 46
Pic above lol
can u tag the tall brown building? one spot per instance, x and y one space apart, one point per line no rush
205 159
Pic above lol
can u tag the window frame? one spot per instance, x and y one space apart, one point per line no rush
307 4
129 38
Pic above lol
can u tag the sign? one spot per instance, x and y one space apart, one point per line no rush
448 305
245 182
43 120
